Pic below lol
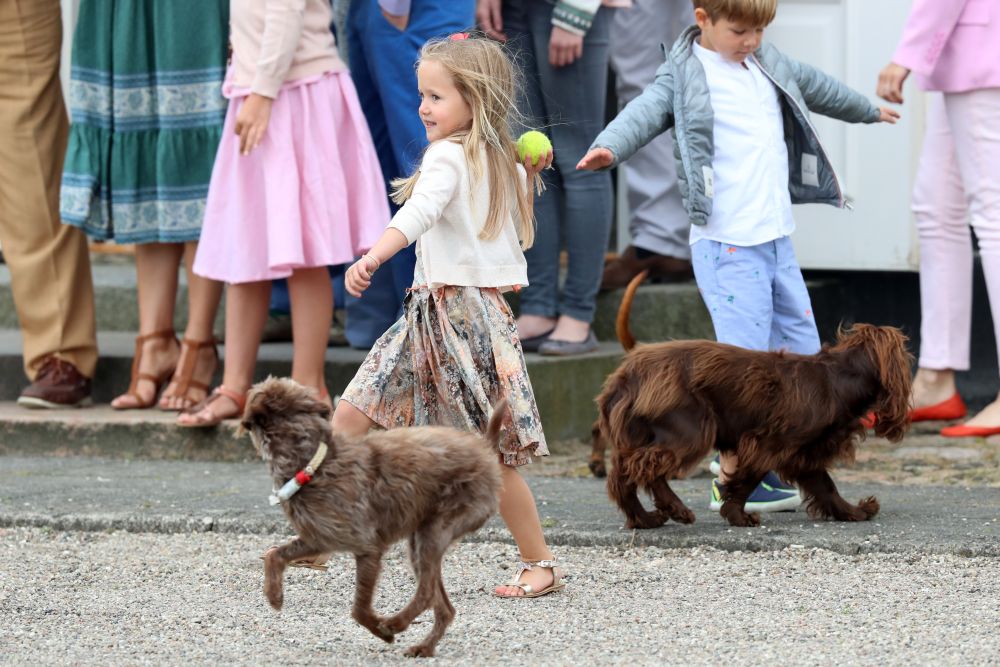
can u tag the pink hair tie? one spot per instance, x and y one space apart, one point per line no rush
458 36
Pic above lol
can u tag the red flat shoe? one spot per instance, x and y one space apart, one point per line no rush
952 408
963 431
869 420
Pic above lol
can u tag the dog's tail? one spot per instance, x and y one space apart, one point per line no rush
625 310
492 434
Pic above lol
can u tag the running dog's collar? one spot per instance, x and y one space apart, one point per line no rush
301 478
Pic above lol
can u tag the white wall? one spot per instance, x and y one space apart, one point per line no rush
852 40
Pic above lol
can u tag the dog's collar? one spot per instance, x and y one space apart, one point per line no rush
301 478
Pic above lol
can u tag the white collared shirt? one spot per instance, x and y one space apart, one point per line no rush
751 204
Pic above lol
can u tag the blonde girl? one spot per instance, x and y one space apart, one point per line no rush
455 352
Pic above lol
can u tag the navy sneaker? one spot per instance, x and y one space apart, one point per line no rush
771 495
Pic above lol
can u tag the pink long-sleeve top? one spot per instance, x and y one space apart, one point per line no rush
952 45
275 41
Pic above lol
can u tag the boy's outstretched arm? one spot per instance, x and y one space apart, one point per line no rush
643 119
828 96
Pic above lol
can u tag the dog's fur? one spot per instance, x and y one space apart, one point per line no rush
431 485
669 404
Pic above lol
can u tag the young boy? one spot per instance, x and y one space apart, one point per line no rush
745 152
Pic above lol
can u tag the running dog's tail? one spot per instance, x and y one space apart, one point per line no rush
492 434
625 309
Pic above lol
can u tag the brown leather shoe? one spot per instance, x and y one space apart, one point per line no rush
58 385
662 268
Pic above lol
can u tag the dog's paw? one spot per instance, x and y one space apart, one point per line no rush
744 519
420 651
275 596
647 521
869 506
682 515
383 632
598 468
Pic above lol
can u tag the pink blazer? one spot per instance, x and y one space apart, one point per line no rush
952 45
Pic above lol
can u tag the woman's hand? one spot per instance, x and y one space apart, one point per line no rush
890 83
397 21
887 115
252 120
564 47
359 276
490 18
596 158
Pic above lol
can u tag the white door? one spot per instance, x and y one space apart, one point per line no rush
852 40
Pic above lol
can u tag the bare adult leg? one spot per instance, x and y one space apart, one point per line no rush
156 267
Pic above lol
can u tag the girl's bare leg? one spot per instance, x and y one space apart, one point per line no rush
519 512
311 296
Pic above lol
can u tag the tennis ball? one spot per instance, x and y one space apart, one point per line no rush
533 143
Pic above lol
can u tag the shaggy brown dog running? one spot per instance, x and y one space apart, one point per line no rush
429 484
669 404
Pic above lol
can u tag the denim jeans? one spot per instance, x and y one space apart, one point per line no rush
568 103
381 63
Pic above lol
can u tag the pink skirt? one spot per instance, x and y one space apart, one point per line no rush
311 194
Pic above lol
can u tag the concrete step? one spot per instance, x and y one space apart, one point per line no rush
660 312
564 388
114 299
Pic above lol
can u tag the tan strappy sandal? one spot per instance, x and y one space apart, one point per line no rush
183 377
529 592
157 380
239 399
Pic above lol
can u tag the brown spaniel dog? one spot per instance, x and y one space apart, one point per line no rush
669 404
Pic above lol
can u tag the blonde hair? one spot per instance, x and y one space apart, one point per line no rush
487 81
755 13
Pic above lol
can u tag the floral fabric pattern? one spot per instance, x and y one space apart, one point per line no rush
447 361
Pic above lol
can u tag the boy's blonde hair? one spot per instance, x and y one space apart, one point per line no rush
487 81
753 13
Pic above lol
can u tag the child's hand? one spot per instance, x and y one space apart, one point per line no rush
564 47
887 115
359 276
544 162
597 158
890 83
252 120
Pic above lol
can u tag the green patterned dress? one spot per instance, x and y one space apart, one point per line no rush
147 112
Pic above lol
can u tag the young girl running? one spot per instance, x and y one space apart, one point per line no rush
455 352
296 187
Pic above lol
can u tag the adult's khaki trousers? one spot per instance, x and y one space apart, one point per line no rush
49 262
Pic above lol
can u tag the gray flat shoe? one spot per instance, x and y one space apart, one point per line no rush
532 344
565 348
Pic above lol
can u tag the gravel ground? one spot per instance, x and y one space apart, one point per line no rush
126 598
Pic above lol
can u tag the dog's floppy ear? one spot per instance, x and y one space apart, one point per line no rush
894 363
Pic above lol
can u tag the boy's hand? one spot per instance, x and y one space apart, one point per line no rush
887 115
597 158
359 276
890 83
544 162
252 120
564 47
490 19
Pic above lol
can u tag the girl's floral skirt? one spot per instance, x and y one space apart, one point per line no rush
447 361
